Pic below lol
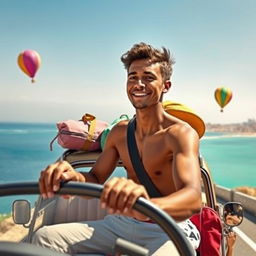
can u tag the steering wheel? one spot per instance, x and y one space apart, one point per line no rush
93 190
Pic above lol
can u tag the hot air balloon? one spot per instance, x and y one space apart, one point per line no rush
29 62
223 96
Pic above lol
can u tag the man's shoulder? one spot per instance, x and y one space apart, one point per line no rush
180 129
120 127
181 136
117 134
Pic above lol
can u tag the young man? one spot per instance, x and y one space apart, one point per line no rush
168 148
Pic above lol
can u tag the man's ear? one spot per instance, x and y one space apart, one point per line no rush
167 86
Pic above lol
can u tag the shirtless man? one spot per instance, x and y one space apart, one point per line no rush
169 150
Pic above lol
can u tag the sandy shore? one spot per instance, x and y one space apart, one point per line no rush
11 232
6 225
232 134
245 134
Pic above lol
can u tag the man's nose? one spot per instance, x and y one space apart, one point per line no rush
140 83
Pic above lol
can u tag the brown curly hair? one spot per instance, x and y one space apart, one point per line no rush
145 51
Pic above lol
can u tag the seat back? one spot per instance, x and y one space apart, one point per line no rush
78 209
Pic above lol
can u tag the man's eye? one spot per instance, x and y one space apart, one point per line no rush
132 78
149 78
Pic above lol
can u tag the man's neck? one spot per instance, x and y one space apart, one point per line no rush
149 120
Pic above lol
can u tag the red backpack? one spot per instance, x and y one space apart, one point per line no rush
209 225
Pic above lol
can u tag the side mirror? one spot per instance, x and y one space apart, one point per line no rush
21 211
233 214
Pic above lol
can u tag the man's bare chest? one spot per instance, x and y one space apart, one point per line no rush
157 161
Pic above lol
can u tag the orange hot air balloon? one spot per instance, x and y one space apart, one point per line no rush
29 62
223 96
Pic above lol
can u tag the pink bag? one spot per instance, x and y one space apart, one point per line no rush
80 135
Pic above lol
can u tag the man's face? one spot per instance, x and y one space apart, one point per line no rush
145 83
233 220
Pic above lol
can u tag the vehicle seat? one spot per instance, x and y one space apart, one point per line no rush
78 209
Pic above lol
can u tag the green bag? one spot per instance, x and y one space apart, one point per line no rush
106 131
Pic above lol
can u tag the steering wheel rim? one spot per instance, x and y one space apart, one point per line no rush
144 206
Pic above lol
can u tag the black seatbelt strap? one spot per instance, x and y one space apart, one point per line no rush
137 163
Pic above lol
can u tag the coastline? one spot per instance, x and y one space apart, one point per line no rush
244 134
226 134
248 127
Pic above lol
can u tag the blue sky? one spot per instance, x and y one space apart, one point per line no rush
81 41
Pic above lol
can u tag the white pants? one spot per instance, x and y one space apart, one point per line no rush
100 236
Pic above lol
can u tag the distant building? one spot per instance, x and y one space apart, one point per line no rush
245 127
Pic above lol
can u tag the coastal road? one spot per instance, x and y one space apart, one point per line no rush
246 235
246 242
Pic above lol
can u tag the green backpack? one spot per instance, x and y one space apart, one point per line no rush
106 131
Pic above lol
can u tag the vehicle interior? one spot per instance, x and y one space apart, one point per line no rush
77 208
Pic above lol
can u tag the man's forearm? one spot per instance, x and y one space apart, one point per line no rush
88 177
181 204
230 252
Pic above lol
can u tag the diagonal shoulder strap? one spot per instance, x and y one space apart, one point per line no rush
137 163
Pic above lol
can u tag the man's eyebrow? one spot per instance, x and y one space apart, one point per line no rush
145 72
132 73
149 73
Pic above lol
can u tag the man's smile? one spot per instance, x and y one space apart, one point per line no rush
140 94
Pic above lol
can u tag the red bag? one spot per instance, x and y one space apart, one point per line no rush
209 225
80 135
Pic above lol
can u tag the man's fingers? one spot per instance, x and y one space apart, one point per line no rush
123 197
138 191
120 194
50 178
46 181
62 172
107 190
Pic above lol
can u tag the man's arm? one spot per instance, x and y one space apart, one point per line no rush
105 163
50 178
186 175
231 239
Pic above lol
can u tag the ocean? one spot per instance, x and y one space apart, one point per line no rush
24 152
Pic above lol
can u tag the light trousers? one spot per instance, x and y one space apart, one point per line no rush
99 237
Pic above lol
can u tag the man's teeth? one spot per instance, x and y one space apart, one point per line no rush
140 94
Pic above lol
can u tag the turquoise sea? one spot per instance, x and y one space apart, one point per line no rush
24 152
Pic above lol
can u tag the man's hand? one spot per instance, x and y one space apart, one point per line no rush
49 181
231 239
120 194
